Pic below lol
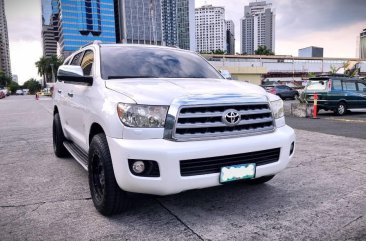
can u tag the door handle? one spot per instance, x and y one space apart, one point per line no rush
70 94
59 91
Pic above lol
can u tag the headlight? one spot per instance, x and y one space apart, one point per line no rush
142 116
277 108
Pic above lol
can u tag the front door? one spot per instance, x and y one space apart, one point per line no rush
80 98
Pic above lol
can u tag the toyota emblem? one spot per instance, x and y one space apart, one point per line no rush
231 117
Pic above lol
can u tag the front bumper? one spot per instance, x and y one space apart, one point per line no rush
168 155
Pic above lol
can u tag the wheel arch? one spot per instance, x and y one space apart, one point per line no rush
95 129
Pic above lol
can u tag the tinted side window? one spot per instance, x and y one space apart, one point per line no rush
349 86
361 86
87 63
76 59
337 84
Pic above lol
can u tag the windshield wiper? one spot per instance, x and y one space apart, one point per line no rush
130 77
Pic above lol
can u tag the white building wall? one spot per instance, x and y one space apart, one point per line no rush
315 66
210 28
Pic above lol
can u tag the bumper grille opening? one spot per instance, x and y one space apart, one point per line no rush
211 165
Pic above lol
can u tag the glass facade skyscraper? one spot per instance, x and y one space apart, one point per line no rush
178 23
83 21
139 21
48 35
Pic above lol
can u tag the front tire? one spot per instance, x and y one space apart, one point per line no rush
341 109
260 180
107 196
58 137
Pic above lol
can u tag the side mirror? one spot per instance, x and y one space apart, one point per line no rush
73 73
226 74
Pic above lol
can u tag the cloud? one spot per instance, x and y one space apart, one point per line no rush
302 17
299 21
24 20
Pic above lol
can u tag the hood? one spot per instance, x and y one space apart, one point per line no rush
164 91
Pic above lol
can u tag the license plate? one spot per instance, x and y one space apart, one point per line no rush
237 172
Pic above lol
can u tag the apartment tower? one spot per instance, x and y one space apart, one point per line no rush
257 27
4 43
210 29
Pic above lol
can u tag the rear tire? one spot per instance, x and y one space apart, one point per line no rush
58 137
107 196
260 180
341 108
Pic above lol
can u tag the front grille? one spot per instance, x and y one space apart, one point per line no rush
204 122
213 164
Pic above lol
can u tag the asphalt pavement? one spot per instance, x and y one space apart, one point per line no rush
352 124
320 196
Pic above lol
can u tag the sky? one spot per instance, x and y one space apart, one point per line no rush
331 24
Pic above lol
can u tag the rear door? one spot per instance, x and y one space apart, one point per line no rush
361 92
350 93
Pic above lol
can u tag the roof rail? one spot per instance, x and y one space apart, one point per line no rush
97 42
337 75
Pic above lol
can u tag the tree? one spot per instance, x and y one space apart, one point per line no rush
13 87
48 66
4 79
262 50
33 86
333 69
218 51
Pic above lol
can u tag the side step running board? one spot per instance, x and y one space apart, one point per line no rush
80 156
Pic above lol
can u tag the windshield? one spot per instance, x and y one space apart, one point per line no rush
151 62
320 84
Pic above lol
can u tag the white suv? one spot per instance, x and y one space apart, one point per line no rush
158 120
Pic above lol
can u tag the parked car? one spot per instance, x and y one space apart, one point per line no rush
159 120
19 92
337 93
283 91
2 94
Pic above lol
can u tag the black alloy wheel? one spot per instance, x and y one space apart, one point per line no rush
107 196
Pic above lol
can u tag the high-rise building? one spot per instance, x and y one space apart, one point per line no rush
230 37
257 27
81 22
178 23
210 28
311 52
169 20
186 24
139 21
4 42
48 35
363 44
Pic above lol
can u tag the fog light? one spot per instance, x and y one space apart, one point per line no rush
138 167
292 148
